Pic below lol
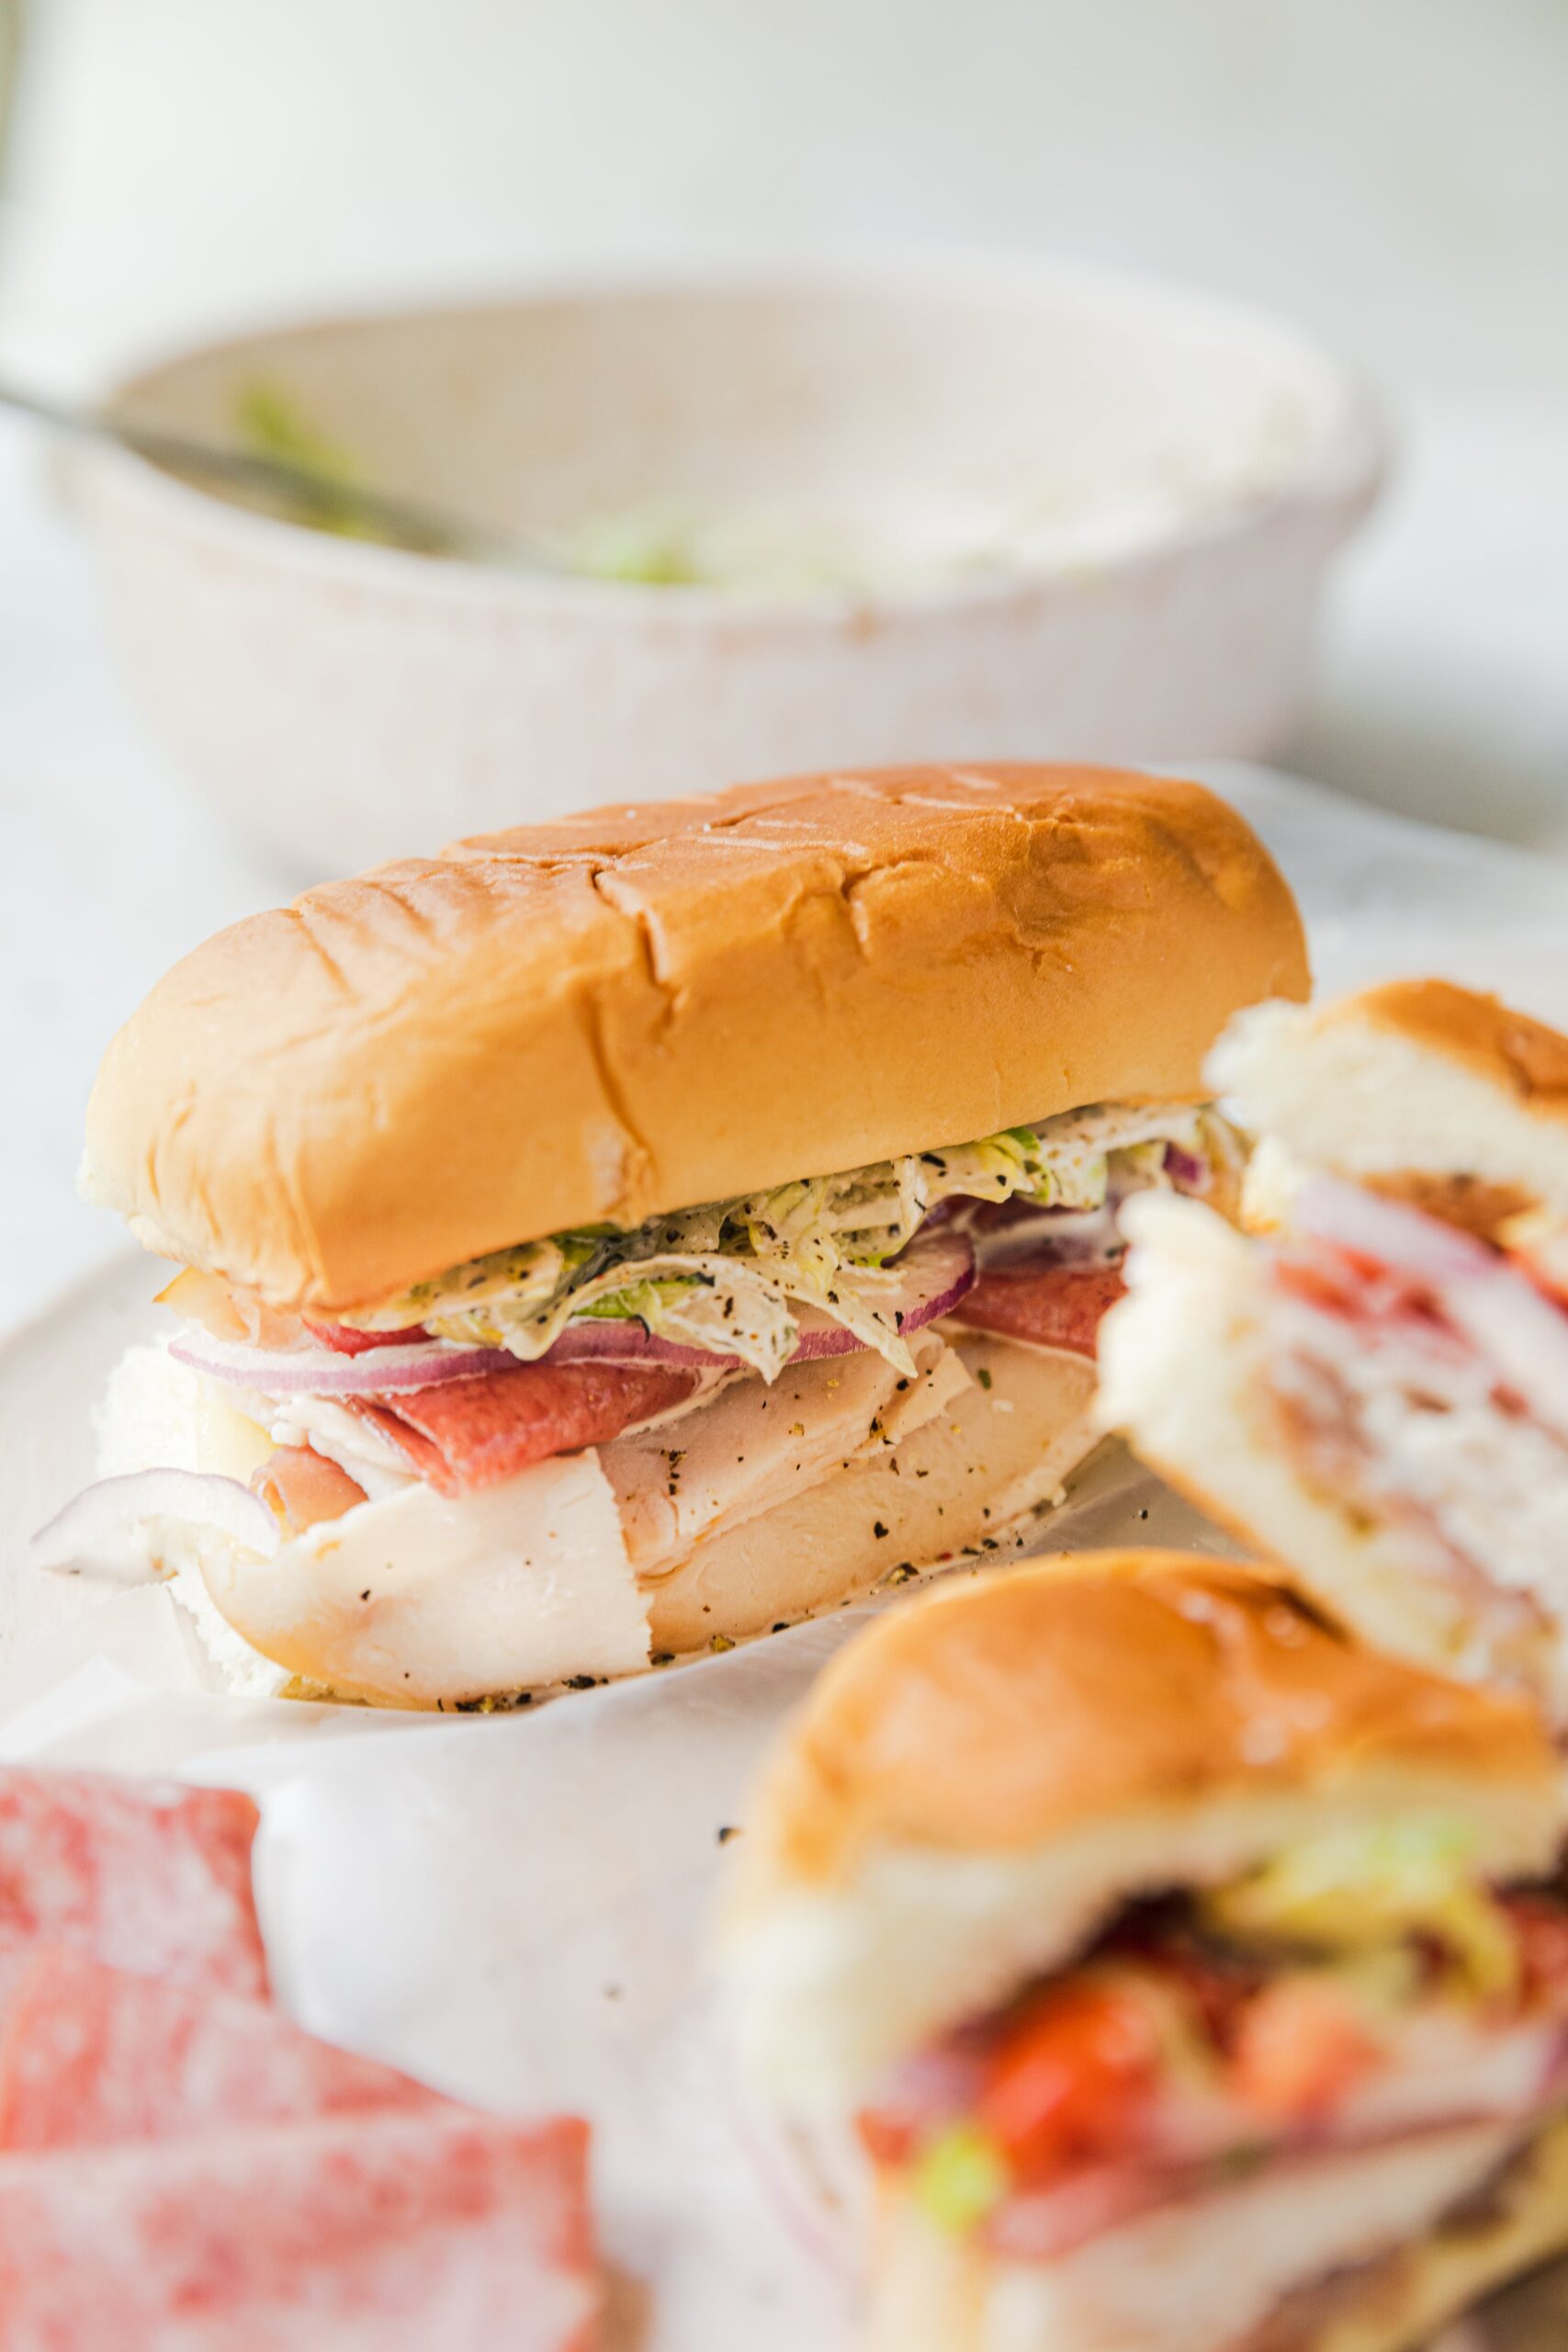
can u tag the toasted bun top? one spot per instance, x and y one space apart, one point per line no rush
986 1776
993 1715
1447 1096
644 1008
1520 1057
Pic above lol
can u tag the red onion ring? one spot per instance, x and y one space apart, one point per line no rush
321 1371
782 2168
101 1514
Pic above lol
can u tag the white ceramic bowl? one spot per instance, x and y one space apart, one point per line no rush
1165 475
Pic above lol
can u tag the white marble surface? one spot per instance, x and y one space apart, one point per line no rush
1444 693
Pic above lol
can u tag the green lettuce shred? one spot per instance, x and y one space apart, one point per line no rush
960 2178
1354 1888
733 1276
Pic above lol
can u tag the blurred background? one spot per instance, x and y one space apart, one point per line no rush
1392 178
1396 175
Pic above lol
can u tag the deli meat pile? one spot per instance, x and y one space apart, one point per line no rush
182 2168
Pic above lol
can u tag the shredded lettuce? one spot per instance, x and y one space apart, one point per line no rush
961 2177
271 424
733 1276
1352 1890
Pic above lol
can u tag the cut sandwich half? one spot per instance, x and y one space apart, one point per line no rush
1375 1389
1164 1969
620 1236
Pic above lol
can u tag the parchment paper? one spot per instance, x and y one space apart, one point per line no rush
514 1906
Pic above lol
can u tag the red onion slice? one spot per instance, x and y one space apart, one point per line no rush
95 1522
783 2164
321 1371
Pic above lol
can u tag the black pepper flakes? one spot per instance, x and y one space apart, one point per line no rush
878 1529
725 1831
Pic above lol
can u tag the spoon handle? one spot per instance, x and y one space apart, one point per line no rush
405 523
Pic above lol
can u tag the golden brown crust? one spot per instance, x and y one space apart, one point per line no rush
643 1008
999 1714
1468 1201
1511 1051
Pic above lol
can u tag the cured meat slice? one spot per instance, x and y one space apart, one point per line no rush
401 2232
473 1433
91 2055
140 1874
302 1486
1043 1307
346 1342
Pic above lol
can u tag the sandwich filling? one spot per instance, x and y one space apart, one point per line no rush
705 1366
733 1279
586 1337
1361 1995
1419 1374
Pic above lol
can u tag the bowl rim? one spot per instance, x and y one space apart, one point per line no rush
1335 479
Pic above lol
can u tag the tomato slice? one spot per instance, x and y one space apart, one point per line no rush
888 2136
1541 1930
1299 2048
1071 2079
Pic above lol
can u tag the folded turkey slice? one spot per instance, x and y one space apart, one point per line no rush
754 1446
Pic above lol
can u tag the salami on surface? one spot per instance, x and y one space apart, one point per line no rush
402 2232
90 2056
143 1875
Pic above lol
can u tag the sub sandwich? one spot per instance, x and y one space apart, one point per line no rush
622 1235
1142 1965
1375 1388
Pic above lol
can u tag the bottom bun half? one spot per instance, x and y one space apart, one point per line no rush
969 1482
1404 2239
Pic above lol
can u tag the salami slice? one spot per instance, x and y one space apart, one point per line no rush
144 1875
91 2055
402 2232
1043 1307
473 1433
345 1341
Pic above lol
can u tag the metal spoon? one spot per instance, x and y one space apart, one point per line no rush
405 523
